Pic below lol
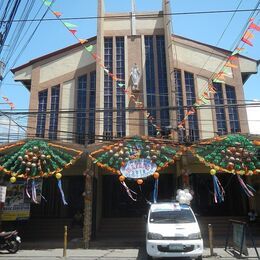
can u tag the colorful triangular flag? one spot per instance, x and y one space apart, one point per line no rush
57 14
191 111
220 75
254 26
237 51
89 48
230 65
70 25
247 41
73 31
211 89
218 81
248 35
48 3
82 41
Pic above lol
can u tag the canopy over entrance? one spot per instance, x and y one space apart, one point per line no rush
233 153
33 159
137 157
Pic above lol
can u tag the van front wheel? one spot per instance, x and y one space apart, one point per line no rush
199 257
148 257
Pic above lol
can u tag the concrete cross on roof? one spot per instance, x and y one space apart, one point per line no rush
133 21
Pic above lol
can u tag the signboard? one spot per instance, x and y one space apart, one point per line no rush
15 207
138 168
2 193
239 238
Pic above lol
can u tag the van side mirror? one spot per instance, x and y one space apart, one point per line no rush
145 217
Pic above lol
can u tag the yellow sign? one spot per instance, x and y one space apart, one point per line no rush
15 207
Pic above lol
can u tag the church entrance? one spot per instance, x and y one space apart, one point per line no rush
235 203
117 203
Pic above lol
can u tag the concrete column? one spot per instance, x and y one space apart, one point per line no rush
67 98
169 60
99 69
88 204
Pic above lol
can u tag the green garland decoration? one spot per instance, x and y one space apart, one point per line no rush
112 157
36 158
233 153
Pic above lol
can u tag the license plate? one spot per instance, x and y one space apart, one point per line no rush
176 247
18 239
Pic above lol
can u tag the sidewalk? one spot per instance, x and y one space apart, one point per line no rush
108 254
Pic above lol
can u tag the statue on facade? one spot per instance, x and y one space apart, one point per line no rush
135 76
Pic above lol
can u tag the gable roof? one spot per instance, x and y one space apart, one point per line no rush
71 47
49 55
227 52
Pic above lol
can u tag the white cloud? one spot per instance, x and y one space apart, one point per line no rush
253 115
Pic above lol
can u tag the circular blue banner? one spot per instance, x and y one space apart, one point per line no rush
138 168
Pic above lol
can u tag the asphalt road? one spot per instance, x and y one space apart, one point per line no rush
108 254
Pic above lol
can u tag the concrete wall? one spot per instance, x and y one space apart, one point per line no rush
206 124
66 64
24 74
66 124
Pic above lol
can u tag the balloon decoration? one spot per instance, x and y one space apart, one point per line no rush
137 158
234 154
184 196
35 159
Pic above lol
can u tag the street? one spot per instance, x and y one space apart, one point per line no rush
108 254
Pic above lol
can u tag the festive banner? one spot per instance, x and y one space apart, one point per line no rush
204 99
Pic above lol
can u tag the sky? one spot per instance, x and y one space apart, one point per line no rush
208 28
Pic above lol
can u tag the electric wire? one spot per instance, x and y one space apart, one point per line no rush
26 43
221 36
137 15
16 34
165 108
98 110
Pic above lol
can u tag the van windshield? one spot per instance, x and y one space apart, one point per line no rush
172 216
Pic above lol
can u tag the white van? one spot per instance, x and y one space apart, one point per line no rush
173 231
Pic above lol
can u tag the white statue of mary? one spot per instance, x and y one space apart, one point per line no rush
135 76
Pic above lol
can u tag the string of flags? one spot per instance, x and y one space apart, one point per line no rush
72 28
11 104
205 96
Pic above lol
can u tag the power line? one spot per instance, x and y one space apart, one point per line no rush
221 36
27 42
100 110
137 15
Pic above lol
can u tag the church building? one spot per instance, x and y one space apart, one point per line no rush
82 97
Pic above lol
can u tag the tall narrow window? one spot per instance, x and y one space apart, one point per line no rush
232 109
179 102
42 107
150 81
120 95
81 110
162 80
108 89
191 99
220 110
92 106
54 116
